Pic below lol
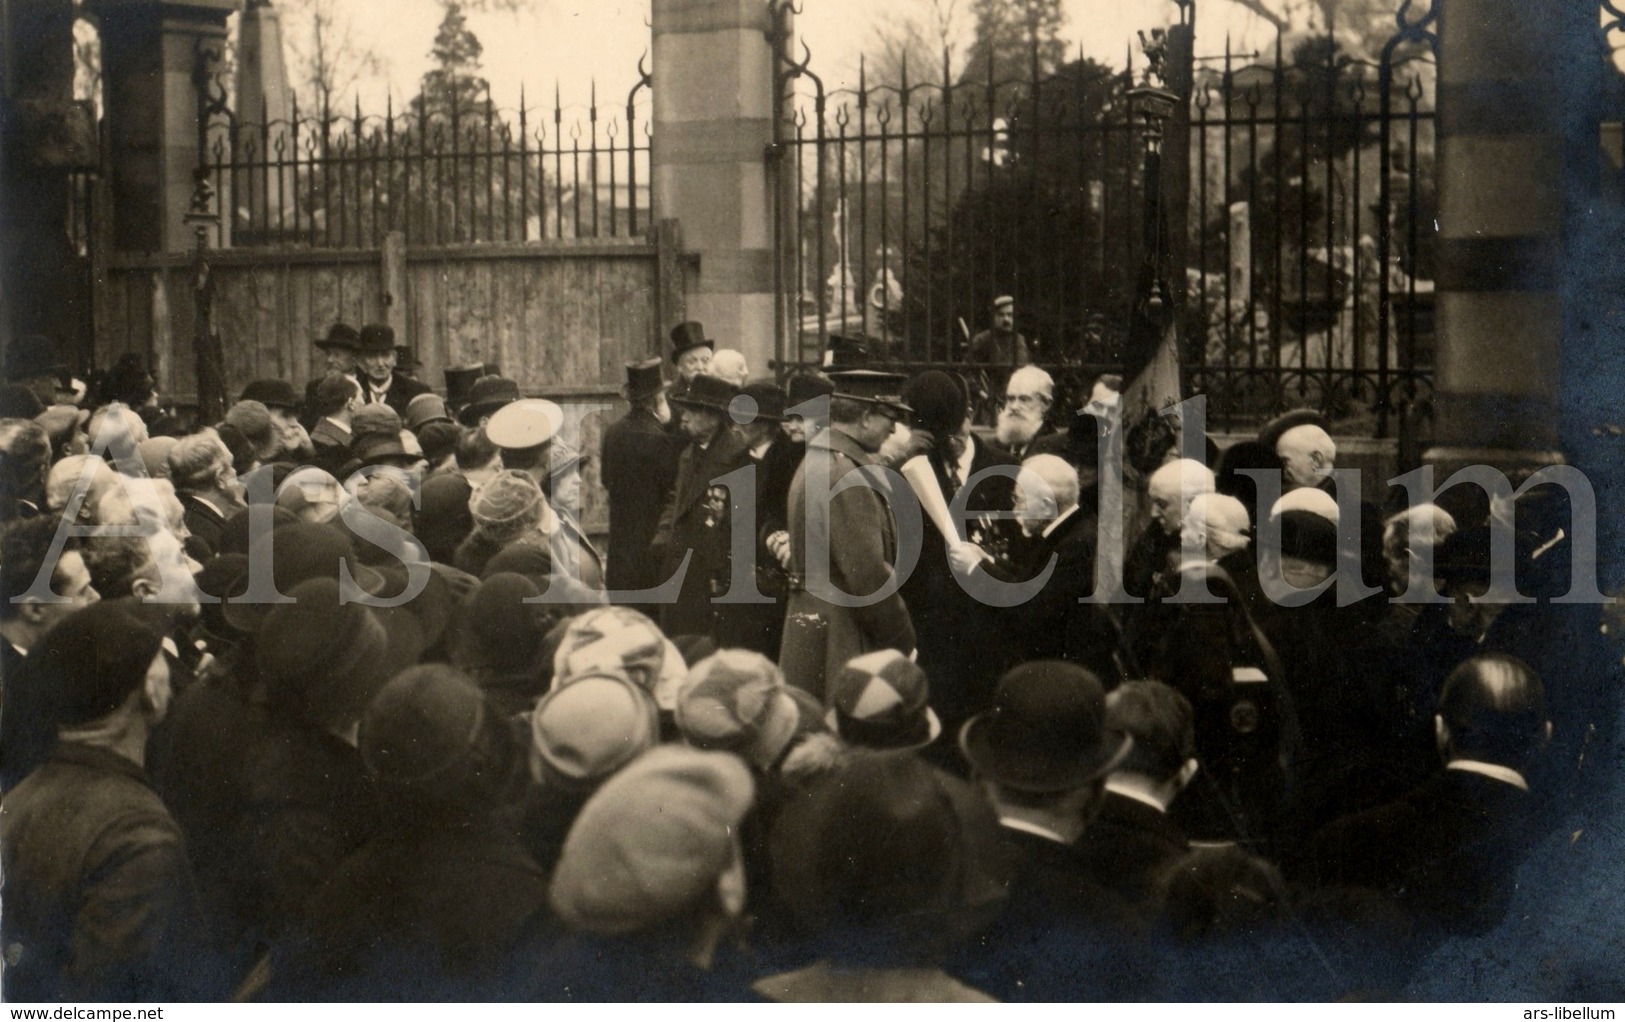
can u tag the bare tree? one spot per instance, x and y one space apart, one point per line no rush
920 36
330 60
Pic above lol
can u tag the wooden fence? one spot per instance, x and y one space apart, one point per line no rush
560 317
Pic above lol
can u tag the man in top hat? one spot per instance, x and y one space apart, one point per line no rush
32 361
691 350
407 362
699 515
380 383
339 351
639 469
852 530
459 381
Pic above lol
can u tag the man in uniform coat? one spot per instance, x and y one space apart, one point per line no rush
853 529
699 516
639 469
380 383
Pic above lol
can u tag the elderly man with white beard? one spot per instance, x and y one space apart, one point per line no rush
1024 415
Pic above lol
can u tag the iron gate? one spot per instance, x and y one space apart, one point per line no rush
908 202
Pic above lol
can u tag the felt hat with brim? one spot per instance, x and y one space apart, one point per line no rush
424 409
61 421
32 355
406 358
643 379
807 385
1045 731
272 394
939 401
528 422
688 336
93 659
487 394
341 336
872 386
1271 434
382 449
890 856
758 401
321 658
708 393
375 339
297 552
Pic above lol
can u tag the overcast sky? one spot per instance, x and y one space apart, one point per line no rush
573 41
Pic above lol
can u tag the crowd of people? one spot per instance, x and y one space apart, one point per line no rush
341 699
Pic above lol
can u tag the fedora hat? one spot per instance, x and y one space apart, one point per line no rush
1046 730
687 336
272 394
376 338
340 335
756 401
872 386
708 393
488 394
845 351
643 379
382 449
32 355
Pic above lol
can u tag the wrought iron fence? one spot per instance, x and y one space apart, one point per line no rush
914 198
460 170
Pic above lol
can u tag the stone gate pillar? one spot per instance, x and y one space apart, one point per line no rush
149 55
713 121
1512 153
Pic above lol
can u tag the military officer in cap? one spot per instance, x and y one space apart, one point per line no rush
852 528
527 432
380 383
700 514
638 472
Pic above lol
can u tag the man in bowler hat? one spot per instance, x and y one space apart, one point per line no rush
338 350
380 383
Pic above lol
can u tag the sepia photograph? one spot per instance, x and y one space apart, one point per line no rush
811 501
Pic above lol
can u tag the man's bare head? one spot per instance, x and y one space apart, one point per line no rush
1307 455
1173 486
1218 523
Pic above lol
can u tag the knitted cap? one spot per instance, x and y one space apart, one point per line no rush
619 639
878 700
507 506
94 658
322 659
430 739
652 843
735 701
582 733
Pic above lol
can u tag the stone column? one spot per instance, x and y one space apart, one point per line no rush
1505 154
149 56
713 121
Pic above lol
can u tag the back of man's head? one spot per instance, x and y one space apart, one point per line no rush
333 395
25 546
1162 724
1493 708
475 450
1048 472
196 461
1307 453
1186 478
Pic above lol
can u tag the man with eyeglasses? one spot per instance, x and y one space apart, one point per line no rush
1024 414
